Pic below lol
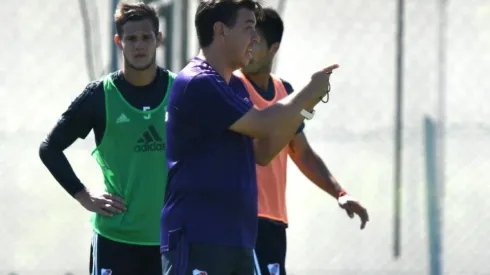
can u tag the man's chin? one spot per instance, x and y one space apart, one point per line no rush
141 67
245 63
248 70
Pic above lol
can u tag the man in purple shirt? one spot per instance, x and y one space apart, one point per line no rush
214 139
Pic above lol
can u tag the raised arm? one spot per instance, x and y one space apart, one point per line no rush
279 122
285 115
215 109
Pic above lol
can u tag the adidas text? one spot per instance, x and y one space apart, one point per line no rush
149 147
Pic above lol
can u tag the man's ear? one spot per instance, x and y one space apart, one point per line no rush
274 48
160 39
220 30
117 40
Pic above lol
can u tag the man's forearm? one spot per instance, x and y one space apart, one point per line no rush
313 167
281 121
267 148
289 108
287 111
57 163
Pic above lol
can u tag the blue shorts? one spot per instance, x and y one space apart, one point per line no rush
203 259
110 257
271 247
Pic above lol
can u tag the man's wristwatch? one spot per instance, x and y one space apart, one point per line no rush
307 114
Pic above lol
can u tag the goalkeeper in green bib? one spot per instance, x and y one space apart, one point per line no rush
126 111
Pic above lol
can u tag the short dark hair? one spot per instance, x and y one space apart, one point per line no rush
126 12
211 11
271 26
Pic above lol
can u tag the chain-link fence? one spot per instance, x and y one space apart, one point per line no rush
50 53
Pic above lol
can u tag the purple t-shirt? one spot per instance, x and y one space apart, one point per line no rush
212 187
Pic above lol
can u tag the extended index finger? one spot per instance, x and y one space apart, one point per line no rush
364 218
330 68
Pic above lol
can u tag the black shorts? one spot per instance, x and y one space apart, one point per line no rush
108 257
204 259
270 247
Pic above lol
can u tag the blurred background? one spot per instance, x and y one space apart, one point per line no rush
406 130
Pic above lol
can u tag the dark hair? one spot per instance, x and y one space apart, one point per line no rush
134 12
271 26
211 11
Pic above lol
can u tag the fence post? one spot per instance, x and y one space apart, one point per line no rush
114 51
397 173
433 215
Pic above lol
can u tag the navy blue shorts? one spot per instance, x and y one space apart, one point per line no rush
202 259
271 247
109 257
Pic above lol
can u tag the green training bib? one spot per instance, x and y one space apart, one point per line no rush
132 158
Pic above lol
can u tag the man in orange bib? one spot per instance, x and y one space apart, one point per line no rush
265 89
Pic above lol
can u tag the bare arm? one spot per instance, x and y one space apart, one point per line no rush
261 123
276 125
265 149
312 166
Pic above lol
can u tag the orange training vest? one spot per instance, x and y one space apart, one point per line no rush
271 179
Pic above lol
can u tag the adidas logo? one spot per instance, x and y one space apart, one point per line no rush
122 119
150 141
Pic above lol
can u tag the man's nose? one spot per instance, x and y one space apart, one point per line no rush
139 44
